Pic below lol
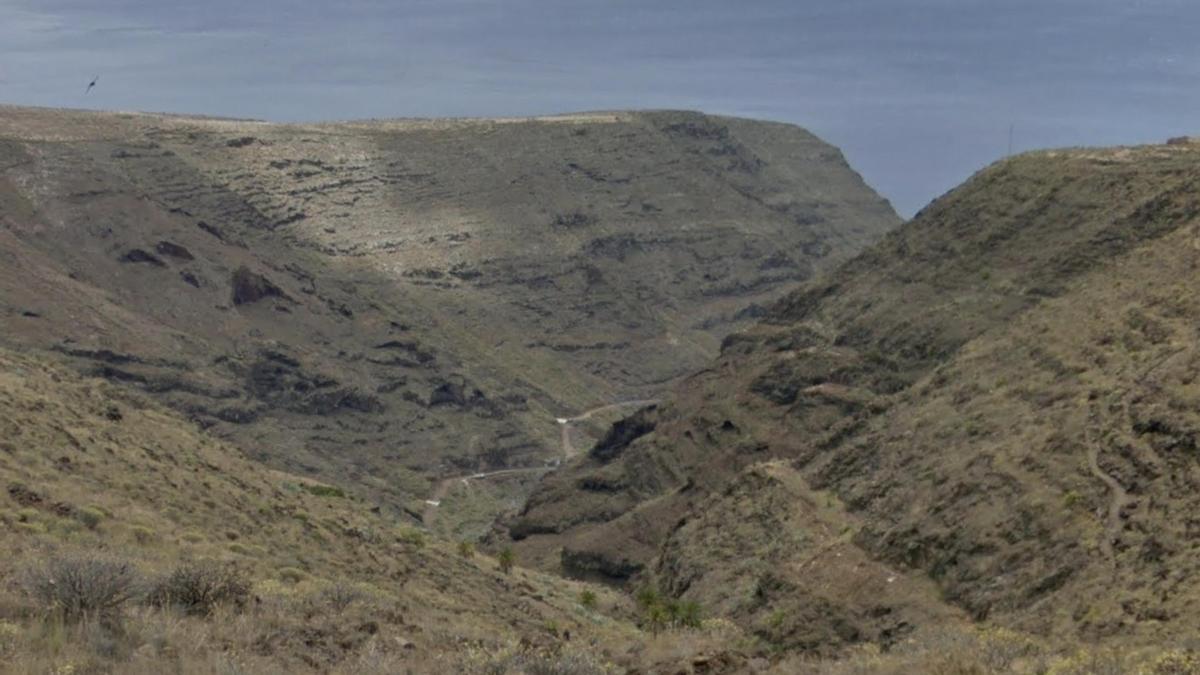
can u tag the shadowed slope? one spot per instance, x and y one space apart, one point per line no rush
969 395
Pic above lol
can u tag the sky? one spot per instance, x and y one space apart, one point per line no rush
918 94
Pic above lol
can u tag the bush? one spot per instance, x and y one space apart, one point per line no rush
660 612
32 527
647 597
292 575
466 549
79 586
587 598
685 613
414 538
507 559
142 535
324 491
91 517
10 633
340 596
198 588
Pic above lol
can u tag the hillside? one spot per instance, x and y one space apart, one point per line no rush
93 472
385 305
989 415
86 465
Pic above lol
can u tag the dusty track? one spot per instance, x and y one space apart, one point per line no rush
1120 498
565 422
443 488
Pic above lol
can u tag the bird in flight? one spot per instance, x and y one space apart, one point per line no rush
92 84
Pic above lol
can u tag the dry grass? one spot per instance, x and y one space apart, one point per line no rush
294 581
286 629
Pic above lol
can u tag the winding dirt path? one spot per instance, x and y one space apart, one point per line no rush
1120 497
568 448
443 488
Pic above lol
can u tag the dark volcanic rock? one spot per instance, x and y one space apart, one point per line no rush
459 393
592 564
251 287
338 400
174 250
624 432
137 255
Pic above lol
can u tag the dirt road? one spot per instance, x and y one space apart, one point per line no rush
565 422
568 450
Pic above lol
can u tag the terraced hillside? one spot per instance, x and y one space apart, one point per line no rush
386 304
991 413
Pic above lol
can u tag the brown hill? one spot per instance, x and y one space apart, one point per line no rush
88 467
384 304
990 412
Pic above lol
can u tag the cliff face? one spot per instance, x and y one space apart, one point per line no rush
381 304
991 411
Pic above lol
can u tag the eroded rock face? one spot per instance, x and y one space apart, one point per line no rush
249 287
137 255
173 250
624 432
594 564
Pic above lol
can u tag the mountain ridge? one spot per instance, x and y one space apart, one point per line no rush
388 304
867 385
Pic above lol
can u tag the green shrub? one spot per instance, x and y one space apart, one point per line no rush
466 549
587 598
142 535
647 597
65 528
324 491
685 613
506 559
199 587
79 586
32 527
414 538
656 618
10 633
660 612
292 575
91 517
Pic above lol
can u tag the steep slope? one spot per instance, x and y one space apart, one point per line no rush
86 465
996 399
388 303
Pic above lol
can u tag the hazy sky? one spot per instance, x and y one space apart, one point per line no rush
918 93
